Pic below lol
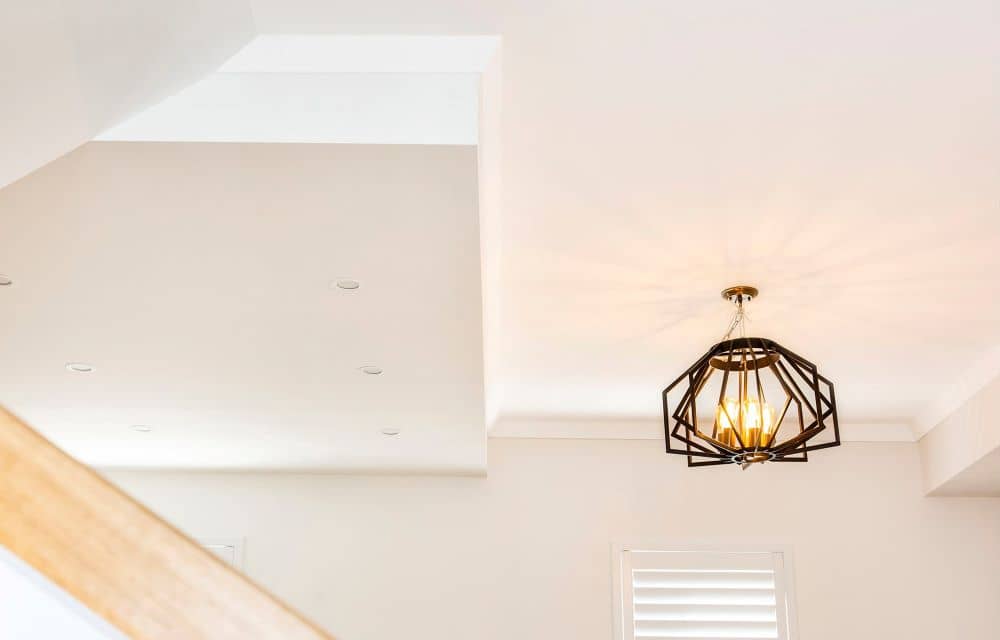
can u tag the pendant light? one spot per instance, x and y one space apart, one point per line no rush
749 400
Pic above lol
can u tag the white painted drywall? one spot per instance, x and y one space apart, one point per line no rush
72 68
525 552
332 89
216 262
32 608
955 448
355 108
340 53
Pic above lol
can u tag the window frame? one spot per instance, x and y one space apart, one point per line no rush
784 579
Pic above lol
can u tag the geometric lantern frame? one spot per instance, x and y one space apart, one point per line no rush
746 429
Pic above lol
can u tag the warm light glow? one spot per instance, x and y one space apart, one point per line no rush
746 428
754 419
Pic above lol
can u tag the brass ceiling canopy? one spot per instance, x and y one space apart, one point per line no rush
739 380
740 293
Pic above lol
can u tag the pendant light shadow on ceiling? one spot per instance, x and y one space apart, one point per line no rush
767 402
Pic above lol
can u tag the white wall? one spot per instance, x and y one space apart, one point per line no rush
32 608
959 454
525 553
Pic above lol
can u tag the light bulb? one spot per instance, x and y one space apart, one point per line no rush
725 414
753 418
769 426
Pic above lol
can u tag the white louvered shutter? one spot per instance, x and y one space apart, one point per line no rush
704 595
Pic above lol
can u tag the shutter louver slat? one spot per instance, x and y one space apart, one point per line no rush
704 579
701 628
705 612
704 596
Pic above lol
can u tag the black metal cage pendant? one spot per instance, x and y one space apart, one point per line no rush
749 400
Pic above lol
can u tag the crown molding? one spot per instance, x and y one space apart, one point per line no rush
597 428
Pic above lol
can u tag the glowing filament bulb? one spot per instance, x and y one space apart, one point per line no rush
768 425
754 419
725 414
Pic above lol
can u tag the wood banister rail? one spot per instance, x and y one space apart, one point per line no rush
119 559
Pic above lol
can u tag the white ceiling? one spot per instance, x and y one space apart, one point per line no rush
72 68
196 278
329 89
844 157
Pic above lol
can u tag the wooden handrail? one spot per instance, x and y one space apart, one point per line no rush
119 559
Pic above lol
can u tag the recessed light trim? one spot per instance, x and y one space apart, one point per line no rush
141 428
346 284
390 431
371 370
80 367
5 281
